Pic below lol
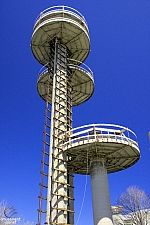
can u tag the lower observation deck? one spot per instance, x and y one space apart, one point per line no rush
116 144
80 78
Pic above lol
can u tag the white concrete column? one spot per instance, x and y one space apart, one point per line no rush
100 193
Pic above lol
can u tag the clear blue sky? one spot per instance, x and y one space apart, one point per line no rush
120 60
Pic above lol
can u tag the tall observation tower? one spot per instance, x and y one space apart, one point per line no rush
61 43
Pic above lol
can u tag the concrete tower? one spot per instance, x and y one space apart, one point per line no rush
60 42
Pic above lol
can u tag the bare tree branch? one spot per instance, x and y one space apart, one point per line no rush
135 204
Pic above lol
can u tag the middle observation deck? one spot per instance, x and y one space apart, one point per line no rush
80 77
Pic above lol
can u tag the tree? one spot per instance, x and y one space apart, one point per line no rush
135 205
2 208
7 215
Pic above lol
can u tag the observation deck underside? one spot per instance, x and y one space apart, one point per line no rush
118 150
81 81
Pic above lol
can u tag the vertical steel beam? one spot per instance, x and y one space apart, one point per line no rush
70 214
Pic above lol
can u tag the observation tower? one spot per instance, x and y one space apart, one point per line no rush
61 43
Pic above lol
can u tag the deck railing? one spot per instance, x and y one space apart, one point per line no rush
72 64
58 9
101 133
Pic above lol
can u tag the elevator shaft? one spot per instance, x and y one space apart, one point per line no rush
58 195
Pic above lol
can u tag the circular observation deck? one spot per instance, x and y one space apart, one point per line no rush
80 78
116 144
64 23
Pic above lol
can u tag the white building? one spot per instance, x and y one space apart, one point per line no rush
141 217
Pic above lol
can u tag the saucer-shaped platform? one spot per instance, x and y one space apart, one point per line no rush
65 24
81 81
116 144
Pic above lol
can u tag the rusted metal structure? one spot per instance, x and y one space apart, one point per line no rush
61 43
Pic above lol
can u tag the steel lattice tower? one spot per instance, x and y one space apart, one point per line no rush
61 43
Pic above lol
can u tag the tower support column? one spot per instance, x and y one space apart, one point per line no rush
100 193
58 195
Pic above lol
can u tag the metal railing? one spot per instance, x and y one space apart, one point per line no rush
43 70
81 66
57 9
71 64
100 132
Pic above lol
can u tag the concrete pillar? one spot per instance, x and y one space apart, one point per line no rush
100 193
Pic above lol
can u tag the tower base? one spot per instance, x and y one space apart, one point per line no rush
105 221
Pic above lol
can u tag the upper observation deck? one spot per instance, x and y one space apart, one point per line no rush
65 24
80 78
116 144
